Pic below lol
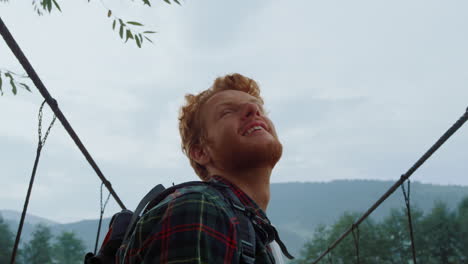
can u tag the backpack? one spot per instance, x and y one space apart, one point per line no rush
123 223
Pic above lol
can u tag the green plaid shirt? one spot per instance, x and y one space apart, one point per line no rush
193 225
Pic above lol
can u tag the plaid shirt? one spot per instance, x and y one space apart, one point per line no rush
193 225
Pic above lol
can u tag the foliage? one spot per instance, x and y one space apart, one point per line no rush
439 237
125 30
462 227
68 249
6 241
39 249
12 78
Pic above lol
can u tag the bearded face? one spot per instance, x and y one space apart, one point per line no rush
239 136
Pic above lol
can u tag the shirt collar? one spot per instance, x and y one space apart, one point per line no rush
243 197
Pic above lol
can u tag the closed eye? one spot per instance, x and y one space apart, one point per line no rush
226 112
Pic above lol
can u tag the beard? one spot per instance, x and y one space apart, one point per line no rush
236 156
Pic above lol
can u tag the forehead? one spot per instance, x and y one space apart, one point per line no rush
226 97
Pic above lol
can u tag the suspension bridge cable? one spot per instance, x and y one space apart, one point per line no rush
101 213
410 221
355 232
41 142
54 106
459 123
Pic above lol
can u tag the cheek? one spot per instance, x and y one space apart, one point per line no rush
223 133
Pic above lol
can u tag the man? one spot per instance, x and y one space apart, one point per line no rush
233 147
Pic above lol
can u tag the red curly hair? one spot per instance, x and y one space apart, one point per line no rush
190 125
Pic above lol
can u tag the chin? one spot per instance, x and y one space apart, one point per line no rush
246 156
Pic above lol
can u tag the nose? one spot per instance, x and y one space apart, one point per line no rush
250 109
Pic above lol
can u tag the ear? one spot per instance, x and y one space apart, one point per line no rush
199 154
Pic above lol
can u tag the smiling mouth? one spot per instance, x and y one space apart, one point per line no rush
252 129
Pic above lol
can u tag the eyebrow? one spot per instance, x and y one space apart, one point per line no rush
252 100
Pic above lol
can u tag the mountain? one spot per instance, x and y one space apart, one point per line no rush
86 230
31 219
295 208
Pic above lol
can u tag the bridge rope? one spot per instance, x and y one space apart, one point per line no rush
410 221
101 213
355 232
40 144
459 123
14 47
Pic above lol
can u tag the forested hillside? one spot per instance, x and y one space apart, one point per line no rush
298 208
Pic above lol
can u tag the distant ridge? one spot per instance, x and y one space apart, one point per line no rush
15 216
296 208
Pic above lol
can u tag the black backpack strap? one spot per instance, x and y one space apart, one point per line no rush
151 195
245 228
156 200
248 222
114 237
153 198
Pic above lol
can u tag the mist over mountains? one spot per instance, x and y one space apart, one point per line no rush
295 208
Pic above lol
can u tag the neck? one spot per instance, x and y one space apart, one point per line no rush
254 182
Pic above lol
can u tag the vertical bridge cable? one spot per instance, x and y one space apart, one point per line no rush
356 241
103 207
410 222
54 106
41 142
459 123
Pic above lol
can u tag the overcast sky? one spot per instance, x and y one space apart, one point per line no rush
357 90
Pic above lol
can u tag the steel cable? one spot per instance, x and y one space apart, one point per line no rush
41 142
101 213
54 106
410 221
459 123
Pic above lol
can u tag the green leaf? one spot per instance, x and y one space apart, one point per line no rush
137 39
12 82
167 1
149 32
57 5
49 5
44 4
113 25
109 13
177 1
141 38
121 31
148 39
146 2
121 22
25 86
13 86
134 23
129 35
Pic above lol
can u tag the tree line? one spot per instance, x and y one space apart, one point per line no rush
440 237
43 248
